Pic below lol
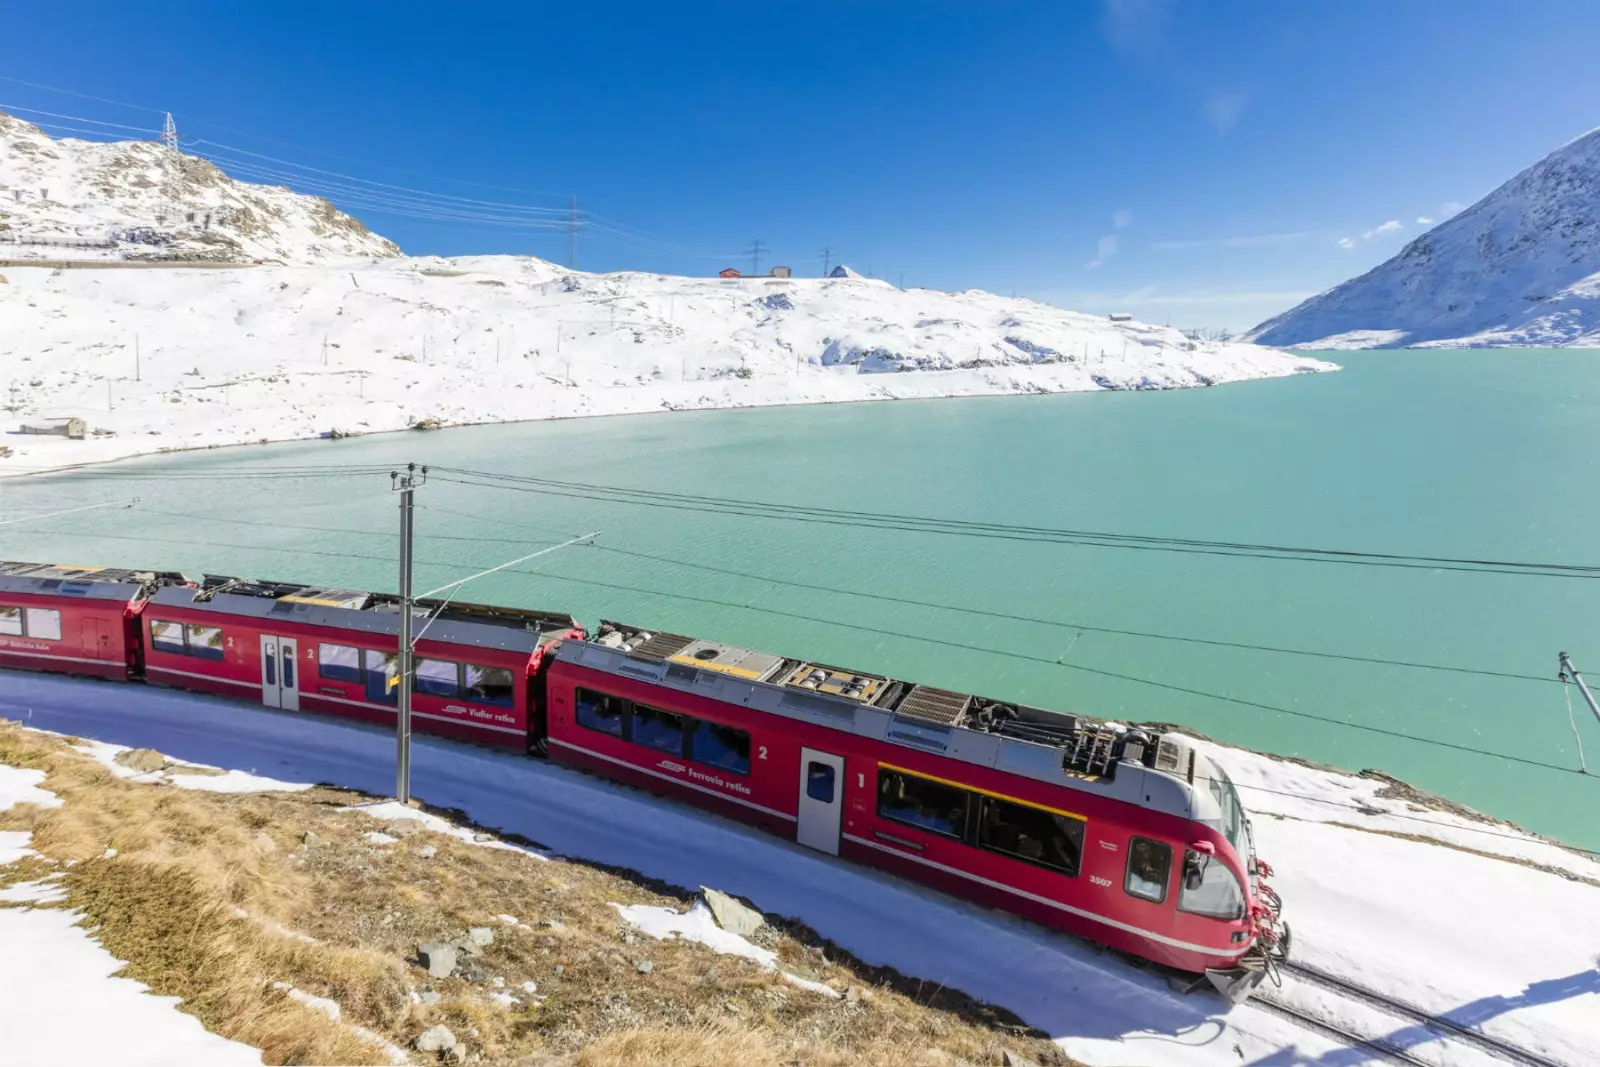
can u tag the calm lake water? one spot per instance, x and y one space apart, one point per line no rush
1473 454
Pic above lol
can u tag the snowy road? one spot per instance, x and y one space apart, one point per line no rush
1101 1010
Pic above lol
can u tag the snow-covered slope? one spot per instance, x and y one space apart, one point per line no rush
336 331
187 358
72 199
1521 267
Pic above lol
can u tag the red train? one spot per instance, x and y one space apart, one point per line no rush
1130 838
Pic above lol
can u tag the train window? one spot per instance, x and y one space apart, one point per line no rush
383 673
657 729
204 641
166 636
922 803
1149 863
340 663
720 746
1033 835
819 782
437 677
601 711
43 623
10 621
1218 894
288 666
491 685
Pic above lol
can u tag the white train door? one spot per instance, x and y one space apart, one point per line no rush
821 800
280 673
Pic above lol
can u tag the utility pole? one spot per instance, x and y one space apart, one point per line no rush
827 260
1568 673
405 484
324 350
572 235
169 133
136 357
755 258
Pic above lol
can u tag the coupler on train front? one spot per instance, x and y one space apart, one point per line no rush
1270 951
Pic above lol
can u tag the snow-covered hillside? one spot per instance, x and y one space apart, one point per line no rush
172 359
1521 267
333 330
72 199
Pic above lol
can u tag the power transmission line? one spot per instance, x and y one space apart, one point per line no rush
1001 531
827 260
755 258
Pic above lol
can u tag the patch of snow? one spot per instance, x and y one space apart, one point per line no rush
229 781
40 892
505 1000
530 988
390 810
14 846
1419 921
330 1008
20 786
697 925
378 838
509 920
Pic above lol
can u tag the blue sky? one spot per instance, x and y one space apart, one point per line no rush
1208 163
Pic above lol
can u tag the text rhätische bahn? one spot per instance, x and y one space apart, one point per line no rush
1133 839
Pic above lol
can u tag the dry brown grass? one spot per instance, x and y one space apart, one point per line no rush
343 919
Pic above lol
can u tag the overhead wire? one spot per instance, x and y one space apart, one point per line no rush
965 609
13 108
999 531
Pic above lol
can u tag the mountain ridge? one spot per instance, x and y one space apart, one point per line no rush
1519 268
139 200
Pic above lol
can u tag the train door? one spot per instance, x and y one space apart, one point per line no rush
96 635
280 674
821 800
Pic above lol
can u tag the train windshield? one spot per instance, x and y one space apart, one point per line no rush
1233 821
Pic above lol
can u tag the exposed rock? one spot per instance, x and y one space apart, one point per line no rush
643 966
143 760
428 997
856 994
403 828
438 957
264 843
731 915
481 935
1011 1059
310 840
436 1039
552 924
427 852
456 1053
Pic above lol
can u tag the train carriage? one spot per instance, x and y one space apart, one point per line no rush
1132 839
77 620
308 648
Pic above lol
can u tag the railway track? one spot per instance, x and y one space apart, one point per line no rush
1445 1028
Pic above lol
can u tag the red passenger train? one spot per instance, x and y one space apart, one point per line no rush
1130 838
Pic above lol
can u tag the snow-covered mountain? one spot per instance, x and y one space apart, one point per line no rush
347 335
1521 267
72 199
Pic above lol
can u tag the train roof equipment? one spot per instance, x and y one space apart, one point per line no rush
512 629
92 583
1154 770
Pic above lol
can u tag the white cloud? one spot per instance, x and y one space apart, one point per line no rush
1423 220
1345 242
1451 207
1104 251
1382 228
1223 110
1122 218
1132 25
1256 240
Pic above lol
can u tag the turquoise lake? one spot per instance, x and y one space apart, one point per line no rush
1482 454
